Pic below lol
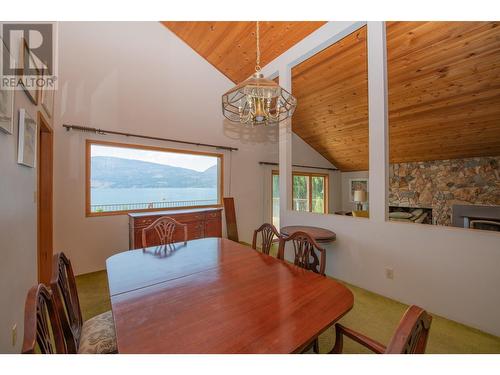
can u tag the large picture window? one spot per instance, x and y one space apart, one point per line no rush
309 193
124 178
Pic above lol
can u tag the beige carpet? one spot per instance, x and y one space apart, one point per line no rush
372 315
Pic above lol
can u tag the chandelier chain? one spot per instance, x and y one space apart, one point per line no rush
257 66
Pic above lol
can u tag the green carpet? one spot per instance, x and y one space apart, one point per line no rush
93 293
372 315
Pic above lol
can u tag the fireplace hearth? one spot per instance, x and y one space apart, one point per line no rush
476 217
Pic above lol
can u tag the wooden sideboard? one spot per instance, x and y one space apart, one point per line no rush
201 222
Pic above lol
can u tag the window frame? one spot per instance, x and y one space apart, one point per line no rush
309 175
88 148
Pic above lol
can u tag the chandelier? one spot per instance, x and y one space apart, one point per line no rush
258 101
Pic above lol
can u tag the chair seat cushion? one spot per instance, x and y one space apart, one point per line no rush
98 335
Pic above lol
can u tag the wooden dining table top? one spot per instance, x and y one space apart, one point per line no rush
214 295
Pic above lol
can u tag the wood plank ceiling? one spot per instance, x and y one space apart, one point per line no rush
332 93
444 90
230 46
444 94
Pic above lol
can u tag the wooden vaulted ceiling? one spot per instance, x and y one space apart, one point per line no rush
443 87
444 90
230 46
332 93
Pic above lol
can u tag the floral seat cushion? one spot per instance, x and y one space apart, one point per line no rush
98 335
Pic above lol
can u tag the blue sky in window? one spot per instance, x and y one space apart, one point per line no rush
198 163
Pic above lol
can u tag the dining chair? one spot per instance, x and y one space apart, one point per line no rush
305 248
230 213
410 336
93 336
305 256
268 232
164 228
42 328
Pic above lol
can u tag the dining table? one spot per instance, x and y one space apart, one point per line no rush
214 295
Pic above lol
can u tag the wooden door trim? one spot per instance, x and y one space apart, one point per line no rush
45 184
309 175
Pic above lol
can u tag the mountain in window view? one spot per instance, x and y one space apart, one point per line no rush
112 172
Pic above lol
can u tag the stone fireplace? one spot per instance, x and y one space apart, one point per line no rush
443 184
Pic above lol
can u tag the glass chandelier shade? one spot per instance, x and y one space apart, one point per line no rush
258 101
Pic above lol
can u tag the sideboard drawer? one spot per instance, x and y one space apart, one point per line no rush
213 215
144 221
189 218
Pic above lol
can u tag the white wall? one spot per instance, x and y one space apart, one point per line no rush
139 77
306 155
18 220
18 229
451 272
347 205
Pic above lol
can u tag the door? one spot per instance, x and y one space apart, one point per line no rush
45 186
310 193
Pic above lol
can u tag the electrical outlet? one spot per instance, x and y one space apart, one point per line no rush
389 273
14 334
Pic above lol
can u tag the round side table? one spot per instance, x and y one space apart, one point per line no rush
321 235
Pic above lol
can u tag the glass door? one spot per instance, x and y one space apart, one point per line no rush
301 193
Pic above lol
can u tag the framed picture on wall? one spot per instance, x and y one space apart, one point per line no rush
25 54
47 99
7 110
357 184
6 104
26 152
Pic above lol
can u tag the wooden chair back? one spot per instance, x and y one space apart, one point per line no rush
412 333
42 327
164 227
305 248
65 294
410 336
230 213
268 232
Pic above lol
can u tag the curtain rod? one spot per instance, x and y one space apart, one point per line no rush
300 166
104 132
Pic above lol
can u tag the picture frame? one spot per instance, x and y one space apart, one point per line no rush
27 146
7 111
357 184
31 93
47 99
6 104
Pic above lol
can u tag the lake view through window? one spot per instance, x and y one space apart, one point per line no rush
127 178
